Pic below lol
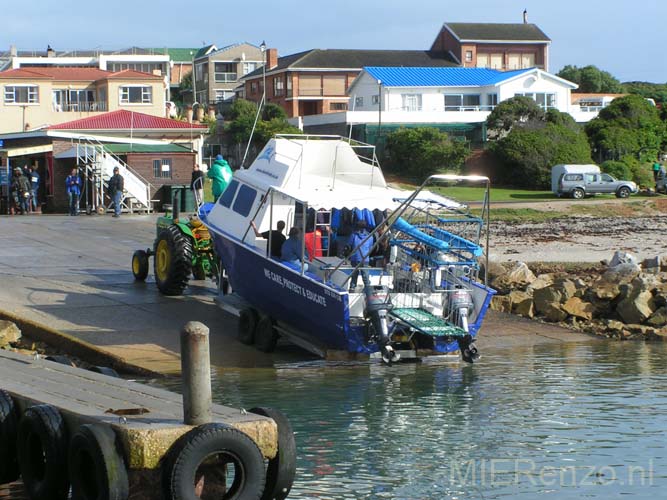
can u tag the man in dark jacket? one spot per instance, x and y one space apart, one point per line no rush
116 186
73 185
21 191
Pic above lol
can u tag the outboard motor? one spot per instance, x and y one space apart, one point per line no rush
460 304
469 352
377 305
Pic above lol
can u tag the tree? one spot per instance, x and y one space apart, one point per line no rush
591 79
655 91
420 152
517 110
527 153
629 126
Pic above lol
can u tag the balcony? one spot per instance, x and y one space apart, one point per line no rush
76 107
226 77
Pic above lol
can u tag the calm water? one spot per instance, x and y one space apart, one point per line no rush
564 421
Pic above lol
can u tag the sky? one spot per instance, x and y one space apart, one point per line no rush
625 38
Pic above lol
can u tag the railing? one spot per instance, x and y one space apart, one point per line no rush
226 77
91 106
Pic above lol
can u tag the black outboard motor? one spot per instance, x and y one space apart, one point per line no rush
469 352
377 306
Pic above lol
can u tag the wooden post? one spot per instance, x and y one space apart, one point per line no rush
196 374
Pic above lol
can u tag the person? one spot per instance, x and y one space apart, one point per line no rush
21 190
197 184
276 237
291 250
221 175
33 177
116 186
73 185
360 245
656 170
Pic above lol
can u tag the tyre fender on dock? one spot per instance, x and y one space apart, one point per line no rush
282 468
42 452
96 467
9 467
247 325
189 471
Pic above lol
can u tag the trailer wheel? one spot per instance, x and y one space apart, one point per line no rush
173 261
96 467
247 326
42 452
140 265
214 461
9 467
282 468
265 335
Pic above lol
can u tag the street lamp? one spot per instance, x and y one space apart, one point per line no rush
194 86
379 111
262 47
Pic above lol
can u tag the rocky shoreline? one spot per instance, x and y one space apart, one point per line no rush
621 299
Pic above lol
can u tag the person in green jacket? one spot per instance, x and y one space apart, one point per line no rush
221 174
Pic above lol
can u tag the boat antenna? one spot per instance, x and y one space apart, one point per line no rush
262 48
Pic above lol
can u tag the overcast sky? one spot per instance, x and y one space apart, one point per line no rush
626 38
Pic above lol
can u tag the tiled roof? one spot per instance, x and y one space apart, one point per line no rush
498 32
357 59
74 74
440 77
125 120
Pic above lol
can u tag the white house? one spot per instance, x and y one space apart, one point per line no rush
386 96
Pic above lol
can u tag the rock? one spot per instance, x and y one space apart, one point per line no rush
553 312
522 304
496 269
518 296
651 263
542 281
518 276
621 274
9 333
566 288
546 298
604 290
502 303
621 257
637 307
576 307
658 318
614 326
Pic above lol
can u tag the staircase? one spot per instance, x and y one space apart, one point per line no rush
99 164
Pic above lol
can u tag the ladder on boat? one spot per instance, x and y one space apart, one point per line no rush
426 323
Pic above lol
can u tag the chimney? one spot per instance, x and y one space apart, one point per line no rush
271 58
525 16
50 52
12 51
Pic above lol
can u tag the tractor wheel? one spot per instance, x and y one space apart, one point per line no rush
173 261
140 265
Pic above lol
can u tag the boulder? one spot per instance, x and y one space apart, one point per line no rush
637 307
655 264
522 303
576 307
542 281
566 288
608 286
496 269
545 298
519 276
658 318
554 313
9 333
614 326
621 257
502 303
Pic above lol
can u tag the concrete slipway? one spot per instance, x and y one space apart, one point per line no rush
69 278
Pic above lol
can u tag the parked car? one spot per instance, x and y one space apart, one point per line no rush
579 185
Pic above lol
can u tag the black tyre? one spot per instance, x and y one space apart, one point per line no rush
282 468
61 359
104 370
96 467
265 335
9 466
42 453
247 326
140 265
623 192
578 194
198 273
214 461
173 261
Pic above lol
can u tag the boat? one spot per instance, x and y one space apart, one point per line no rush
426 294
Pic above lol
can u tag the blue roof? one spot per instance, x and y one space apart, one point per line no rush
440 77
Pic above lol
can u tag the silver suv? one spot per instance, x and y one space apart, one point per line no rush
580 185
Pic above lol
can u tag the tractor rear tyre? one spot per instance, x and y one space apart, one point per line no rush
173 261
140 265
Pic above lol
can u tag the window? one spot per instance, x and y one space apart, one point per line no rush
492 100
228 194
411 102
278 86
21 94
574 177
244 200
225 72
131 94
494 61
253 87
358 102
249 67
520 61
201 72
289 83
462 102
607 178
375 99
338 106
162 168
545 101
468 55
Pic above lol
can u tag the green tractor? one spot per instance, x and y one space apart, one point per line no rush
182 248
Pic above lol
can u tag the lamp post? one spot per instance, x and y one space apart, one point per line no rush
262 47
194 86
377 140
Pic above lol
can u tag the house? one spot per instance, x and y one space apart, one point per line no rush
218 71
316 81
506 47
457 100
157 151
38 97
586 106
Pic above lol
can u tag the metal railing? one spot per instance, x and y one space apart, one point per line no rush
225 77
91 106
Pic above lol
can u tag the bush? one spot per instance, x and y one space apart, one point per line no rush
618 169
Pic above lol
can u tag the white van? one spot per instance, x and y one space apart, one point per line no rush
557 171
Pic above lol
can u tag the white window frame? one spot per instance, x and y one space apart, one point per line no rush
158 168
146 95
468 56
10 96
225 76
547 100
407 105
462 106
249 67
359 102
